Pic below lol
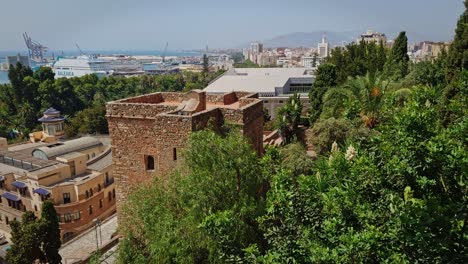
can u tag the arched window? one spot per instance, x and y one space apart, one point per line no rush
87 194
99 187
149 163
91 192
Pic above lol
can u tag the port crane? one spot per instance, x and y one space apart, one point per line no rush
79 49
164 53
36 50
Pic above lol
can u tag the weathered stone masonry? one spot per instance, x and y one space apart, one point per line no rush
148 132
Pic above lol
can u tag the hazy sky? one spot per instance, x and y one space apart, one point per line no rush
185 24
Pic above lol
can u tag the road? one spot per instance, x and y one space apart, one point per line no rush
83 245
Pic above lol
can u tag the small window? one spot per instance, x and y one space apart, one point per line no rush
67 217
266 102
7 221
113 193
93 155
66 198
91 192
100 203
99 187
76 215
280 102
90 209
0 199
174 154
149 163
35 208
59 218
109 196
87 194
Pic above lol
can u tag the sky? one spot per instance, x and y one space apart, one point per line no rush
193 24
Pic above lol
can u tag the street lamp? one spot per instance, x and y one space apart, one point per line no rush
97 223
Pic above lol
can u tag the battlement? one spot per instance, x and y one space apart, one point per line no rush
148 132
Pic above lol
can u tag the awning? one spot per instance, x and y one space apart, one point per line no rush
19 184
11 196
2 178
41 191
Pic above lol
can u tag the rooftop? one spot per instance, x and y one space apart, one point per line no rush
255 80
23 161
61 148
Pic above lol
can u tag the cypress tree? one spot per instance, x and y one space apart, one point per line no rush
50 234
381 57
397 62
326 77
458 52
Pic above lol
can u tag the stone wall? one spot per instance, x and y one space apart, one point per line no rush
142 130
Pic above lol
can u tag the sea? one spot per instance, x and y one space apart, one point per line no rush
4 74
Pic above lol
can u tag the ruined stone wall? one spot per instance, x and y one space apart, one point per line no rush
141 130
133 110
253 125
153 98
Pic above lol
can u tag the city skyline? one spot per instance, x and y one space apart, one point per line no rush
148 25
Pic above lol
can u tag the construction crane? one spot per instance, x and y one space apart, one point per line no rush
79 49
164 53
35 49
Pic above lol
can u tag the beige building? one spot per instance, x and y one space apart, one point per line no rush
372 36
76 175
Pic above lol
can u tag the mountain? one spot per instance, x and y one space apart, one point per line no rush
310 39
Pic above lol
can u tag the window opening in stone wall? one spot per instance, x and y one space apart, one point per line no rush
174 154
149 163
66 198
90 209
100 203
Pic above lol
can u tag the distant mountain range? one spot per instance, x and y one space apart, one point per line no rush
310 39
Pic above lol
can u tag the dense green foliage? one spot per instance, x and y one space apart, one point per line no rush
326 77
389 184
357 59
246 64
81 99
204 212
36 240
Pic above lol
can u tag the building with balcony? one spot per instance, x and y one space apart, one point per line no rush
76 175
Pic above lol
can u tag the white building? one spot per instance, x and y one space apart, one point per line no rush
310 62
323 48
274 85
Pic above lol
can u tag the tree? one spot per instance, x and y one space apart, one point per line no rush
26 240
360 97
295 159
206 65
50 233
397 61
314 60
325 132
203 212
325 78
288 118
43 74
458 52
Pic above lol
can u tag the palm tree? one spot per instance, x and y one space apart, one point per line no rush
361 96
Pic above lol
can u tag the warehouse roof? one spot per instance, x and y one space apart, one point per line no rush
255 80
